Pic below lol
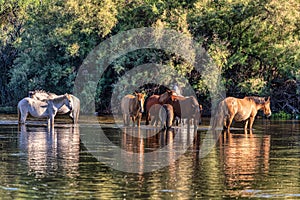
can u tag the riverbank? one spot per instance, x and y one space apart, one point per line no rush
8 110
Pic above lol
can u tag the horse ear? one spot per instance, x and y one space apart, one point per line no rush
268 99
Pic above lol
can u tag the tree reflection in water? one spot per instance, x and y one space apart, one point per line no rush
51 153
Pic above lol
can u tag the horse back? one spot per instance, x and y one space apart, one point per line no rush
186 106
36 108
240 108
153 99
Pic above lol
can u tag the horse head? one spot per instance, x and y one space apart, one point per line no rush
68 101
266 107
166 96
31 94
140 98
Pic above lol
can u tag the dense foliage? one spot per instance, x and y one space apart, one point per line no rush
256 44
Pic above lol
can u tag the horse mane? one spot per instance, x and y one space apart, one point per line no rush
165 96
57 99
42 92
257 100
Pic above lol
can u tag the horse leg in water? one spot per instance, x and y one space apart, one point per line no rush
22 116
188 122
133 120
251 120
49 123
155 120
74 115
139 119
51 120
246 124
196 121
229 119
125 119
148 118
225 122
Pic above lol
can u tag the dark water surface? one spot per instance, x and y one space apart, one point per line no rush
63 164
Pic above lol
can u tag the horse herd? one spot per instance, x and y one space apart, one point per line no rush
165 109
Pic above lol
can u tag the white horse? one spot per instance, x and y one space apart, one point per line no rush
43 109
44 96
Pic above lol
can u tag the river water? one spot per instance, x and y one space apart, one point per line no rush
76 162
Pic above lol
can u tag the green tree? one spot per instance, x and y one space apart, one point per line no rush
57 37
253 41
13 15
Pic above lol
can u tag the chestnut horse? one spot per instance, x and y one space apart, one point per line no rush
132 106
187 108
241 110
156 99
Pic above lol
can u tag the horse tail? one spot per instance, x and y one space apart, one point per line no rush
77 113
76 110
162 116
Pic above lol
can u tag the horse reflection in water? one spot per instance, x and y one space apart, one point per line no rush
146 150
245 156
51 153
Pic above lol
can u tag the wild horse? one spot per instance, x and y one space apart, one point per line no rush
187 108
132 106
154 104
43 109
44 96
244 109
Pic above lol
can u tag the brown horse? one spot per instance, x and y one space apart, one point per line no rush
187 108
156 99
241 110
132 106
